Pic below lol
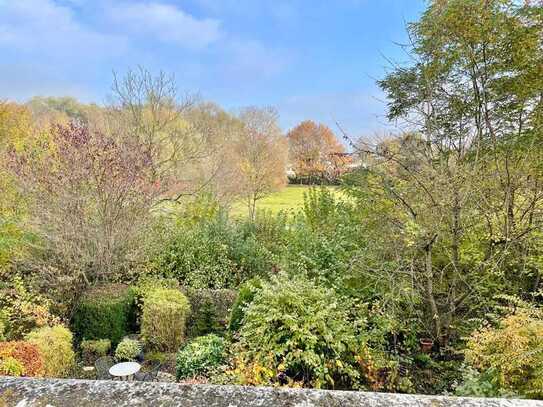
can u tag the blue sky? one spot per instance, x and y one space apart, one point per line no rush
311 59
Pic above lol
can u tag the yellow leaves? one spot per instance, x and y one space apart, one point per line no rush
15 125
514 351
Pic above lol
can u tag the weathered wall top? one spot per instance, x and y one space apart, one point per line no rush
23 392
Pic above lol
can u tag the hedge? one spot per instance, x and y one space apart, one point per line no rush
164 316
105 312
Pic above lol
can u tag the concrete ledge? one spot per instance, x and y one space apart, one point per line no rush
25 392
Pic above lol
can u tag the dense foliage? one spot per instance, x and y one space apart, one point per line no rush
209 310
393 281
509 358
21 358
246 294
165 313
56 346
199 356
295 331
92 349
106 312
128 350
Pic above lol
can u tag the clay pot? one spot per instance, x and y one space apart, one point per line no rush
426 345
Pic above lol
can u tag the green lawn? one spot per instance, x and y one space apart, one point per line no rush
291 198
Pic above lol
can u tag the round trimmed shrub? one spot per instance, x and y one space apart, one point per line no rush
128 350
25 354
56 347
163 320
105 312
298 333
199 356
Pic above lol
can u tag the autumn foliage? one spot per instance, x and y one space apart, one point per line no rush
26 354
314 150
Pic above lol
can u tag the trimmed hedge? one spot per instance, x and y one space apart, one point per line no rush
210 310
105 312
164 316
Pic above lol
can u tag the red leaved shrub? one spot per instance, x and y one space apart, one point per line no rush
27 354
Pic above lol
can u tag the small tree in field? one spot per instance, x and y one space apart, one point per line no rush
262 155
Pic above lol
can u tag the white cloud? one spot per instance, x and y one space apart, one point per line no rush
165 22
43 26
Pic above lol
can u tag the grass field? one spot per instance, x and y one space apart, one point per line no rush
290 198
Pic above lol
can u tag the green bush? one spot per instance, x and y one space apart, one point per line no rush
56 346
298 331
199 356
127 350
209 310
198 256
105 312
92 349
246 294
164 316
9 366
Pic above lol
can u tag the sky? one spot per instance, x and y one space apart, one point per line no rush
310 59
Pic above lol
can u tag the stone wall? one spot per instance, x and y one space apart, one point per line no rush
24 392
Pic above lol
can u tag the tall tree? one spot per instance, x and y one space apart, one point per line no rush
261 152
313 149
462 192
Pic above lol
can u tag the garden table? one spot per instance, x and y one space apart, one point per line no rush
125 370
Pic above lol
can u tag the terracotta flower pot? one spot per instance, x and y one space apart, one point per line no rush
426 345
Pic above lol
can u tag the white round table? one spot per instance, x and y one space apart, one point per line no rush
124 370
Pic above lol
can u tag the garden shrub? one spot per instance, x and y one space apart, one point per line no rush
296 332
9 366
105 312
245 296
510 356
27 356
164 316
198 256
56 346
92 349
148 283
22 310
209 310
128 350
199 356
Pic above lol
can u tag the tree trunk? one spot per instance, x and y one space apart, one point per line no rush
429 275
